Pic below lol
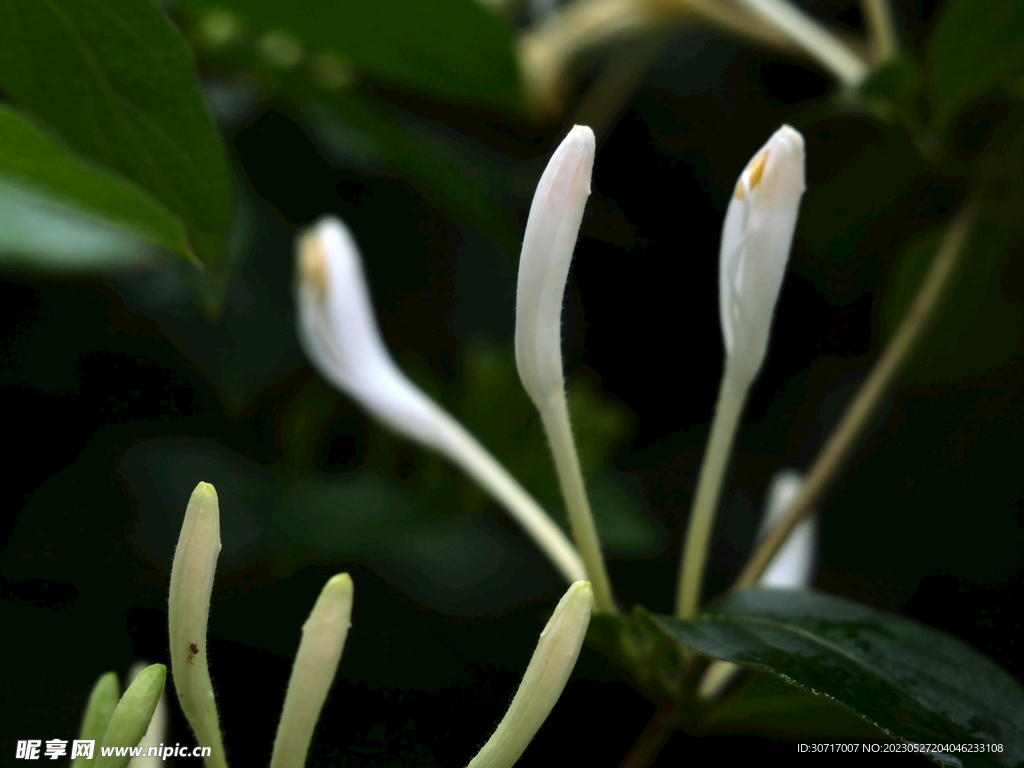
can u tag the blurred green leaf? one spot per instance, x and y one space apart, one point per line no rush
454 49
33 161
117 83
975 48
649 657
915 683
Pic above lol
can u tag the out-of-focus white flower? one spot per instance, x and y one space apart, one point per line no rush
756 240
339 334
791 568
545 678
323 639
195 562
793 565
551 232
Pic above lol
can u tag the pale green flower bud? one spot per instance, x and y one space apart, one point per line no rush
756 239
156 734
545 678
98 709
323 639
131 717
195 561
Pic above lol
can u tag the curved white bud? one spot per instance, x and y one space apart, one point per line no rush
551 232
338 331
545 678
756 240
323 639
195 562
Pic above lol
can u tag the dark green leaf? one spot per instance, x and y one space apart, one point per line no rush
455 49
642 651
975 48
117 83
915 683
32 161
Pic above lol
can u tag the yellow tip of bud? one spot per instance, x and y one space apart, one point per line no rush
752 174
313 264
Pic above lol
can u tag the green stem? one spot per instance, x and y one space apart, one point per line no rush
869 397
881 30
647 746
555 417
728 409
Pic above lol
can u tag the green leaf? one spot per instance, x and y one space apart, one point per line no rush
915 683
117 83
34 162
975 48
454 49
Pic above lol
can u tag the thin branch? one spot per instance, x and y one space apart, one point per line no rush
841 443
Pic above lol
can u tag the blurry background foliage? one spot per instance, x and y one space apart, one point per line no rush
130 375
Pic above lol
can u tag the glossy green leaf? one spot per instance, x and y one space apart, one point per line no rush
454 49
915 683
34 162
116 82
975 48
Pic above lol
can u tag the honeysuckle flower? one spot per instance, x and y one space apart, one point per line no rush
756 239
131 718
195 561
791 568
340 336
323 639
156 733
101 704
545 678
551 232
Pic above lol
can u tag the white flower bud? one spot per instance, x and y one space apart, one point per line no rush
756 240
195 562
323 639
339 334
545 678
551 232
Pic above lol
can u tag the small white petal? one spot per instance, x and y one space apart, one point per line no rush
756 240
793 565
545 678
195 562
338 331
323 638
551 232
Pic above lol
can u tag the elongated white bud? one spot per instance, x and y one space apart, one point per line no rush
545 678
323 639
195 562
551 232
756 239
339 334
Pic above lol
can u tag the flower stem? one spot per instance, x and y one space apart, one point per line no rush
647 746
467 452
555 417
872 392
728 409
881 30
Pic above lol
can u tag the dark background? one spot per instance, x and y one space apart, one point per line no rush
122 394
